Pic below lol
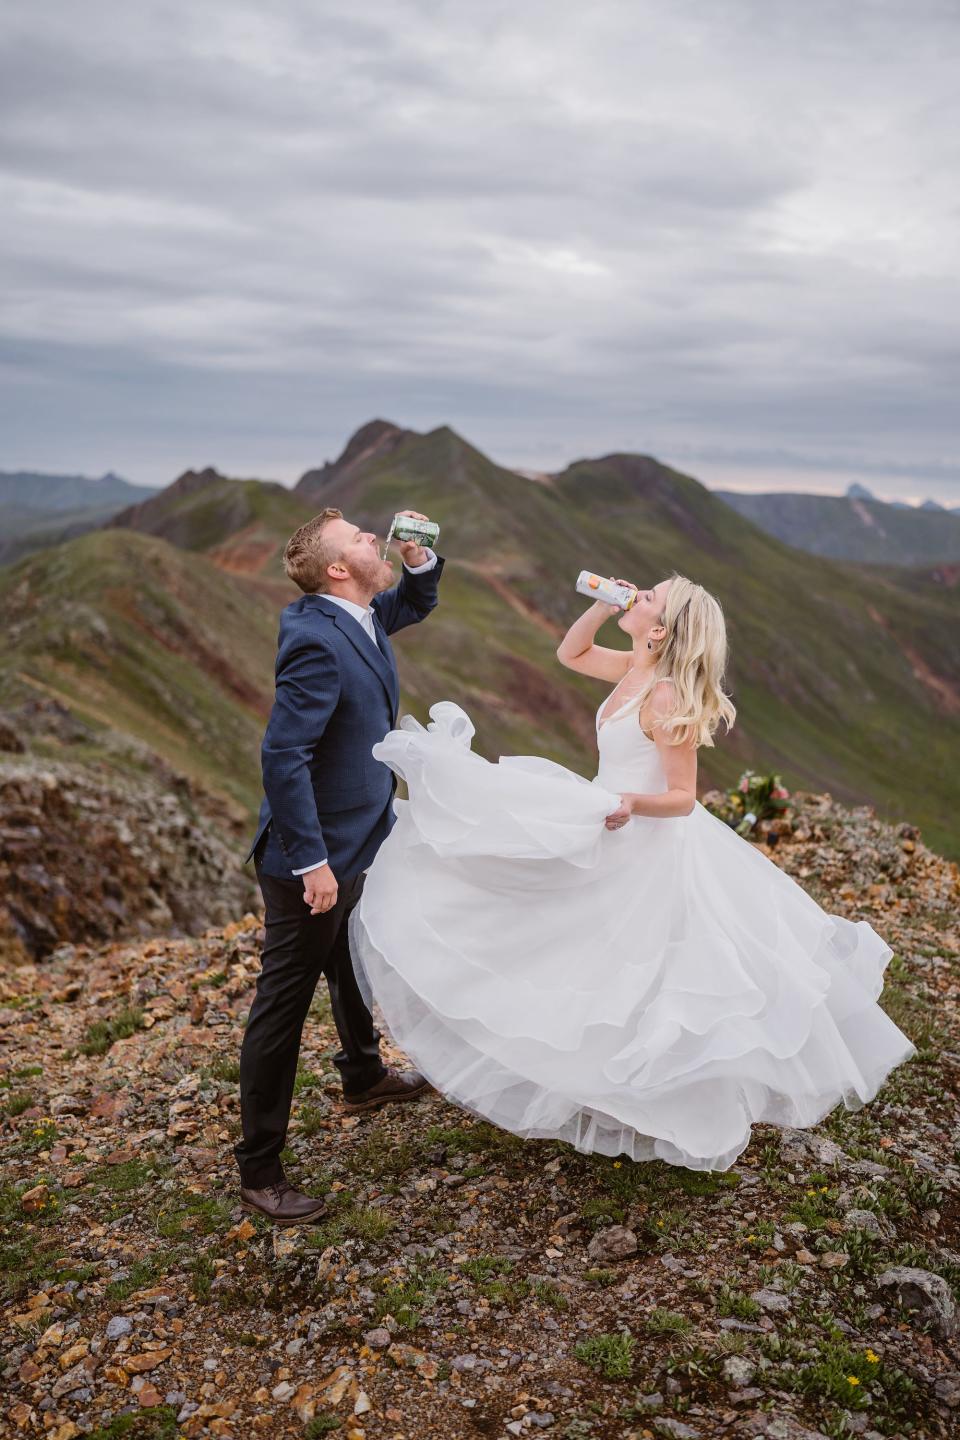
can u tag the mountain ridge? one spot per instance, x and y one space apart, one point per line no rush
43 491
39 510
376 437
854 527
845 680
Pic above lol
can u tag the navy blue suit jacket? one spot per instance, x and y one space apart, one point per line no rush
325 797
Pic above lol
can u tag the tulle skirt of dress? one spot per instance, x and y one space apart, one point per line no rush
651 992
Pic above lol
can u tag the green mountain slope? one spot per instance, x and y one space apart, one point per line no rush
241 524
26 531
845 679
851 527
155 651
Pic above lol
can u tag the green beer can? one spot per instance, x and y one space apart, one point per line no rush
405 527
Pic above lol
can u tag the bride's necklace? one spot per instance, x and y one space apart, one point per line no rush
631 696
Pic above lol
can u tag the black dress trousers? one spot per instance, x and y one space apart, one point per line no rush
298 949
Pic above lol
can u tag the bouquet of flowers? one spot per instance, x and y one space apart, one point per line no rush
755 798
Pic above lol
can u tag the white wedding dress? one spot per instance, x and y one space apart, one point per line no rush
650 992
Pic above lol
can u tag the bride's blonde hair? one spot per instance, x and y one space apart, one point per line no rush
694 657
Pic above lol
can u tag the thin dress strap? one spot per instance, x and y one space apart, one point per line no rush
624 709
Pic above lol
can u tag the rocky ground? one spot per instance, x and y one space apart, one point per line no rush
88 852
465 1283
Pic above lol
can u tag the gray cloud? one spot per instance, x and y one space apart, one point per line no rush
725 235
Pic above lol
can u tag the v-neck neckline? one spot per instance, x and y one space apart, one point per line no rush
601 720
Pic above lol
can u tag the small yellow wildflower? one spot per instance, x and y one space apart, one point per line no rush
852 1380
660 1223
811 1192
874 1359
751 1237
824 1189
617 1164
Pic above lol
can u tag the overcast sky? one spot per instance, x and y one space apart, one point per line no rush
723 232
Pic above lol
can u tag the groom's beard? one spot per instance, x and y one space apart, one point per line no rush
371 573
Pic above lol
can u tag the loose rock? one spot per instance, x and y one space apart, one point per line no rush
616 1242
925 1294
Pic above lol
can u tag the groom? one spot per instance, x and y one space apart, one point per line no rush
327 809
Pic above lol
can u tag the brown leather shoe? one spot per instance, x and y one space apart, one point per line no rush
282 1204
395 1085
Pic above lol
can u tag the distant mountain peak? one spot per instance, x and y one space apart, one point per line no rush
376 437
859 492
932 505
192 480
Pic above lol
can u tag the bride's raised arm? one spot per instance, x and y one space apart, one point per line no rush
577 651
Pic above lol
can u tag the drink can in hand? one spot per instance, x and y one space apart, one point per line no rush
405 527
611 592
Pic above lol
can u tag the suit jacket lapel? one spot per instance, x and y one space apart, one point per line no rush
382 664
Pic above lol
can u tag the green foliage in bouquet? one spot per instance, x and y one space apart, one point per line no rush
756 798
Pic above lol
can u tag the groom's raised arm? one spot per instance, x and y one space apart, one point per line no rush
307 690
412 598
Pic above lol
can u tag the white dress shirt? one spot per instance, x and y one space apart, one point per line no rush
363 614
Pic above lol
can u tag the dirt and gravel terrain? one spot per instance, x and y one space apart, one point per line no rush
464 1283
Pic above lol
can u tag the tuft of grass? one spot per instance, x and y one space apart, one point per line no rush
922 1191
186 1213
839 1373
601 1278
225 1069
609 1355
481 1138
38 1137
120 1179
310 1119
102 1034
602 1210
549 1294
306 1080
484 1267
505 1292
407 1300
26 1262
158 1422
321 1425
705 1182
815 1204
17 1103
381 1157
141 1274
202 1274
667 1322
733 1302
457 1139
349 1221
693 1362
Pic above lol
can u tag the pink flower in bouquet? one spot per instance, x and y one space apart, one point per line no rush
744 784
781 793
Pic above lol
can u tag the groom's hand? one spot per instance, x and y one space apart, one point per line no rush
413 553
320 890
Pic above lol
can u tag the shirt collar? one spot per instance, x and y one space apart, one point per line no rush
359 612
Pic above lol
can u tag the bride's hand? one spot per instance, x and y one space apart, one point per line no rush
619 817
609 611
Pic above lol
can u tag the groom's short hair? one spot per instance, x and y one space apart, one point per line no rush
307 553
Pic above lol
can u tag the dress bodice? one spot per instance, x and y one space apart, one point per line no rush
629 759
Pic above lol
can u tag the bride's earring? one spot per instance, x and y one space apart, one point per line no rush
649 644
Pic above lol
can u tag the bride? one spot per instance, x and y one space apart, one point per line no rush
604 962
